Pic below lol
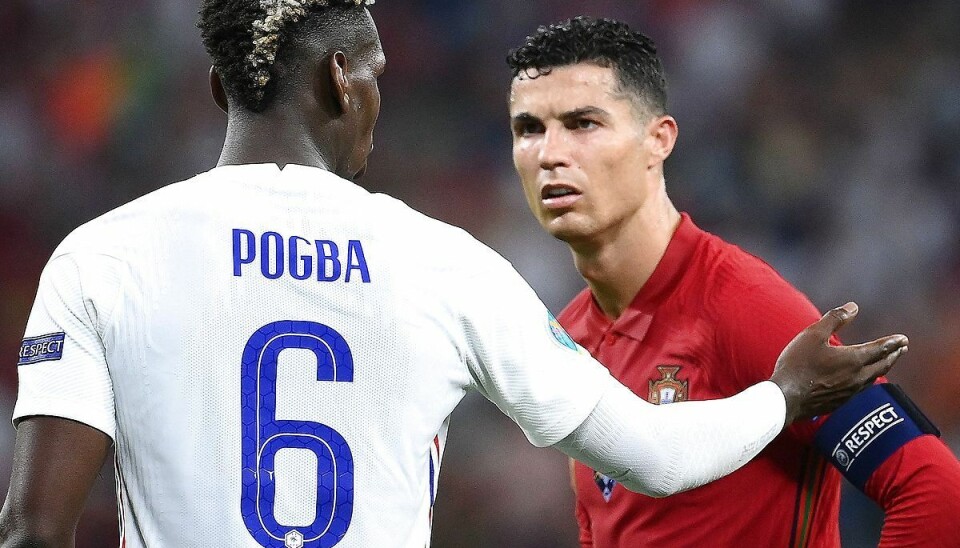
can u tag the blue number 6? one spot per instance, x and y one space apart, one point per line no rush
263 435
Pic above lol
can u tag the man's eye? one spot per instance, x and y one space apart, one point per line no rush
586 124
529 129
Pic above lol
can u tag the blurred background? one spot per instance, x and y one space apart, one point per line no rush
821 135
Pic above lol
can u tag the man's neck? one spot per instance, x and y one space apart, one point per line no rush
254 139
617 268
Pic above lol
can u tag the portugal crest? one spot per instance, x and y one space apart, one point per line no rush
668 388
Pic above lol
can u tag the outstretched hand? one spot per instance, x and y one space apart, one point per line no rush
816 377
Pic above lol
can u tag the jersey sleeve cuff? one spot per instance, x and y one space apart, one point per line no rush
771 393
74 411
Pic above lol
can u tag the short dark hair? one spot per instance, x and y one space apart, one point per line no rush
244 39
604 42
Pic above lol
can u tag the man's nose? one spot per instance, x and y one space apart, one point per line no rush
554 149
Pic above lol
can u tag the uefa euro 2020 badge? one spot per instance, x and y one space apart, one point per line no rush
668 388
559 334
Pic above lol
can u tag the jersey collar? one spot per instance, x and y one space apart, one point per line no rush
291 175
636 319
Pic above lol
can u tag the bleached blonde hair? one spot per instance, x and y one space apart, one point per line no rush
267 32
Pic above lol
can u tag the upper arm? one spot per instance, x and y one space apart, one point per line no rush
63 369
519 356
55 463
886 447
65 407
918 488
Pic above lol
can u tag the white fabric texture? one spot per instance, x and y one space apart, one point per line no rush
660 450
162 300
77 386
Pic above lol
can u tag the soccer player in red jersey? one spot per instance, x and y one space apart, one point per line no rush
678 314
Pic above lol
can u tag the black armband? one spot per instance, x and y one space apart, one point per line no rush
863 433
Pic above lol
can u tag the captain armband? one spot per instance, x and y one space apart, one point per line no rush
863 433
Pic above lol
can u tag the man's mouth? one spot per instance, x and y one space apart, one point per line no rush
558 196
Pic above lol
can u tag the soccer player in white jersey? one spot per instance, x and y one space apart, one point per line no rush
275 352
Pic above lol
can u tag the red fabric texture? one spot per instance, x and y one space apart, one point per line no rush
722 316
919 489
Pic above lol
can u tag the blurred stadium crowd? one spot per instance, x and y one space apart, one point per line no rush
821 135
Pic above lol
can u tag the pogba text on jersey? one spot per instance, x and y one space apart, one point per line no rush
273 255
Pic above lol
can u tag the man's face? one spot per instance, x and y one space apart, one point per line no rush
581 149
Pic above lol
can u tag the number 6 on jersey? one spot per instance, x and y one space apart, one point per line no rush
264 437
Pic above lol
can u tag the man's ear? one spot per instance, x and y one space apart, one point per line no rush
663 131
338 77
216 89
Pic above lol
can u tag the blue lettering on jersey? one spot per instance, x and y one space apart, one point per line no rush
356 261
41 349
302 269
264 434
298 257
328 258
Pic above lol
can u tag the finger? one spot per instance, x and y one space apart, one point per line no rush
873 371
870 352
833 320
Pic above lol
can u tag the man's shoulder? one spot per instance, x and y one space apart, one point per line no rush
406 217
434 240
128 221
741 290
733 269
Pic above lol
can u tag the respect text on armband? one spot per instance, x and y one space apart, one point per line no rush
872 426
273 255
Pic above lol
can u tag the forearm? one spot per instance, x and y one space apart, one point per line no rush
28 539
662 450
18 531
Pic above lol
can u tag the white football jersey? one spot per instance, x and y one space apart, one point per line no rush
276 354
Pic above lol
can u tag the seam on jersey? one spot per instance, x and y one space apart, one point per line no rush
123 274
106 316
817 489
809 489
118 478
76 271
122 269
809 485
798 499
60 294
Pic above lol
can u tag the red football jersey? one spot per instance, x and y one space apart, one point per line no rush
710 322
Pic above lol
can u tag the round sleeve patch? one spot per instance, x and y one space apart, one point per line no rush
559 334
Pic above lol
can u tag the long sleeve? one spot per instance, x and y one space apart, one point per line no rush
918 488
